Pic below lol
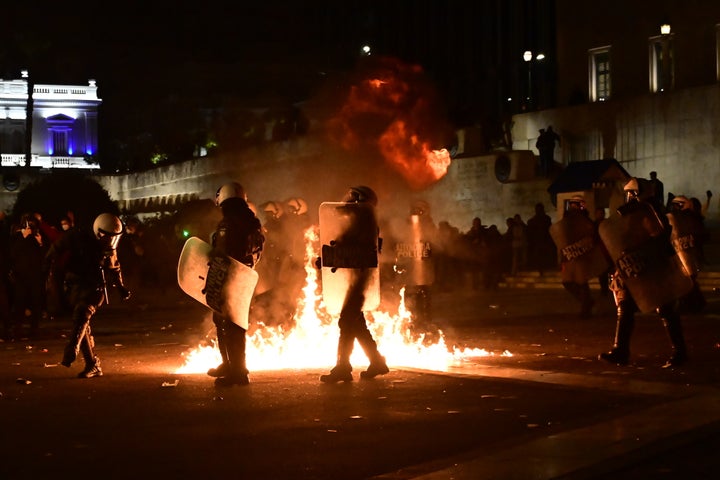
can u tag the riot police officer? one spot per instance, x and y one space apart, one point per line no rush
238 235
687 236
92 266
648 275
415 268
579 250
352 321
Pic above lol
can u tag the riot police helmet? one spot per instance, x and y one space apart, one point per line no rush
680 203
576 202
273 210
420 207
297 206
229 190
637 190
108 229
361 194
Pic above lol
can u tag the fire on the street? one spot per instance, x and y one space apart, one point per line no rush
312 342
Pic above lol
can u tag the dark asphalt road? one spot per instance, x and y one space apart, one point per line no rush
550 411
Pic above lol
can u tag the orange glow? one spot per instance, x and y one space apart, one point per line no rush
393 109
412 157
312 343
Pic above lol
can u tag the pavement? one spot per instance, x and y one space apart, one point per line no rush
551 410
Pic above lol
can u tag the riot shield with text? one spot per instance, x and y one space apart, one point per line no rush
349 254
580 250
687 229
221 283
413 254
643 257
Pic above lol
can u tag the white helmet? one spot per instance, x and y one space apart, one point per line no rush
108 229
273 210
297 206
229 190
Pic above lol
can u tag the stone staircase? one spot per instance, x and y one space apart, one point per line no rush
709 280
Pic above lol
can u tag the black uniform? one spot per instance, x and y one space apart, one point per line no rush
352 323
92 267
626 306
238 235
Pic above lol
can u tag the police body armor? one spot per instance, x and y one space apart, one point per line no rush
413 255
645 261
582 254
349 254
686 231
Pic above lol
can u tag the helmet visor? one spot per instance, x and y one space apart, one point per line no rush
109 239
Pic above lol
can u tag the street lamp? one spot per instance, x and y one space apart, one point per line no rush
527 56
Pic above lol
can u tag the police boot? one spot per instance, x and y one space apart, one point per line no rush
76 337
342 371
620 353
673 328
237 372
377 366
377 362
222 369
92 363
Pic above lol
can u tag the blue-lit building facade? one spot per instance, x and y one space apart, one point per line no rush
62 131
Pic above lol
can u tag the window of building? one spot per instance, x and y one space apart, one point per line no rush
662 68
599 74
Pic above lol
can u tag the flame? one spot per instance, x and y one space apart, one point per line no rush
312 342
394 108
412 157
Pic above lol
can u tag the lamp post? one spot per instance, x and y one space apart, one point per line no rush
527 56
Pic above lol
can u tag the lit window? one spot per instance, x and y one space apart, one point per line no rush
662 75
599 74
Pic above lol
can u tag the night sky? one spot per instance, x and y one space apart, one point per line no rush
206 53
179 45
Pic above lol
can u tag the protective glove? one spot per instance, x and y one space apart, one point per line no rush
125 294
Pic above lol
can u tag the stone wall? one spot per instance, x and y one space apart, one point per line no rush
316 173
676 134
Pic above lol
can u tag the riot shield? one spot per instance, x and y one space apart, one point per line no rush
686 230
413 254
219 282
643 257
349 255
581 252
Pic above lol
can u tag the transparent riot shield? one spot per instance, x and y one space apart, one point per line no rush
219 282
643 257
349 254
581 252
414 255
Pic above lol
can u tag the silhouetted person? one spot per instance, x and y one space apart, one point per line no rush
658 189
546 146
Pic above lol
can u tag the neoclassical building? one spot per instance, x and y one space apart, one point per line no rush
63 125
